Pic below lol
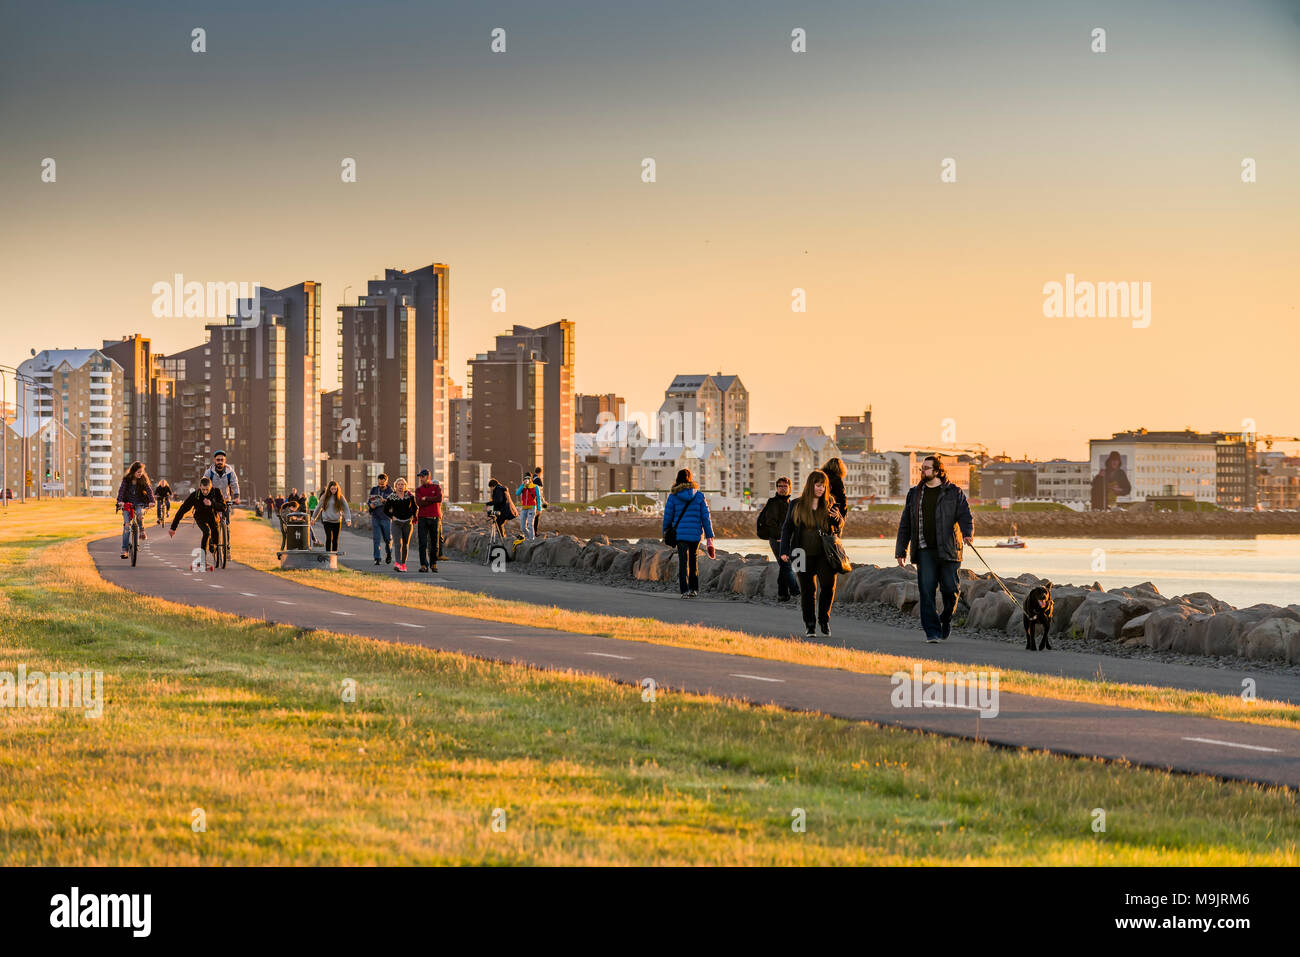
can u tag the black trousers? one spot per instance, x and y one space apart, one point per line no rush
429 531
821 574
211 534
688 570
332 535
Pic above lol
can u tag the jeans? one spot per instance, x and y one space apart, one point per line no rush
934 572
429 529
381 529
688 569
401 539
211 535
526 522
126 527
818 578
332 535
785 580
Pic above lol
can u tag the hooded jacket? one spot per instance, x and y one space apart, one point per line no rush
688 503
952 518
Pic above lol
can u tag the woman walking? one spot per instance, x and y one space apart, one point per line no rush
835 472
333 511
137 492
401 509
686 513
811 515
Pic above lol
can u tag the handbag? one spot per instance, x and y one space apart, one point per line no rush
834 551
670 536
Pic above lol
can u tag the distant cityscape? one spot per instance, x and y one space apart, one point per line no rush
254 388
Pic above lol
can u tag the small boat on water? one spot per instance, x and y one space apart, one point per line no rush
1012 541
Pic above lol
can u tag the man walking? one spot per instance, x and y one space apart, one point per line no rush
428 500
380 526
936 521
770 520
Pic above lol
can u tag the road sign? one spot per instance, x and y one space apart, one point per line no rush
52 486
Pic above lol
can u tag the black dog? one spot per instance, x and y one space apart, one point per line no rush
1038 611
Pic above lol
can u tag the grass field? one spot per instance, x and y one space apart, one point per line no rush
244 721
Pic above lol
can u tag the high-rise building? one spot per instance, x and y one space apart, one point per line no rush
331 424
249 395
853 433
149 401
190 372
593 411
298 309
710 409
522 406
84 389
378 396
429 290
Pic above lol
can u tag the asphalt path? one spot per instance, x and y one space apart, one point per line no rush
1224 749
784 621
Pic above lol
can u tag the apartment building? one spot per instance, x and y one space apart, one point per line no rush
711 409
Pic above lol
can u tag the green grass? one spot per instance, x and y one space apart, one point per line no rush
245 721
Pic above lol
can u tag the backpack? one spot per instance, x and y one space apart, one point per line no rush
528 496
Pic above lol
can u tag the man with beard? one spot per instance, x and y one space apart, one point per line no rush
936 521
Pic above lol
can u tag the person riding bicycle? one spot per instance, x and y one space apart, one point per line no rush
135 491
223 479
163 492
209 505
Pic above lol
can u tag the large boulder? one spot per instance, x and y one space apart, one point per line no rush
1103 615
708 569
1217 634
748 579
563 551
1273 639
623 563
1169 628
650 561
991 610
605 558
1203 602
1066 600
902 595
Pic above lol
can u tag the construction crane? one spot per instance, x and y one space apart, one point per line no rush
1268 440
976 449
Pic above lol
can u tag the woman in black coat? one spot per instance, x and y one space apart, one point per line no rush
835 472
810 516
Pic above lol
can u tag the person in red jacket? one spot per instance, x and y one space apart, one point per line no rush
428 499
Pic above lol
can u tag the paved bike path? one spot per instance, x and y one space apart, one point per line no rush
784 621
1199 745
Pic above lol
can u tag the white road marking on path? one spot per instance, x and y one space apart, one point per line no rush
601 654
249 594
761 678
1230 744
216 586
282 602
491 638
407 624
348 613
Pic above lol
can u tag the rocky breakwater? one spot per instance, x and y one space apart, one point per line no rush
1136 617
881 522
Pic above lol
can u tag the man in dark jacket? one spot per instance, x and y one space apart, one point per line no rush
381 529
502 506
936 521
770 520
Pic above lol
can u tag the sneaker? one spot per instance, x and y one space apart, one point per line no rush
826 629
782 598
126 554
389 558
947 627
685 594
694 593
933 641
812 632
433 568
376 561
143 536
424 568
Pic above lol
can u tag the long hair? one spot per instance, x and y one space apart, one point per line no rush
683 477
804 513
141 480
331 494
835 472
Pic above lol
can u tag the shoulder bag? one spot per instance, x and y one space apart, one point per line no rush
670 536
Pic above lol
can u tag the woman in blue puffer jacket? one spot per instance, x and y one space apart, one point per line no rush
687 510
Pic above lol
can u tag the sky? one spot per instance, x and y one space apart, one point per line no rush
774 171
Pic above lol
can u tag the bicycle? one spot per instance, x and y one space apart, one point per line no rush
133 516
222 548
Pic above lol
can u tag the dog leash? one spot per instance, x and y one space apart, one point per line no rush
995 576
